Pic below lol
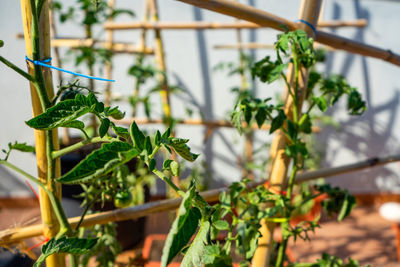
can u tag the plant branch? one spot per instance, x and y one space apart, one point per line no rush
59 153
18 70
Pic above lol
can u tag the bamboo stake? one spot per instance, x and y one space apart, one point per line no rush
309 11
209 124
160 57
15 235
202 25
249 13
57 58
140 58
109 45
248 147
50 224
262 46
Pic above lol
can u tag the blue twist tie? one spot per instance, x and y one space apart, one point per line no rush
43 63
308 24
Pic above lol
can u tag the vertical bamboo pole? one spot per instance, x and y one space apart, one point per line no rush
109 44
140 57
248 147
309 11
160 57
57 60
50 223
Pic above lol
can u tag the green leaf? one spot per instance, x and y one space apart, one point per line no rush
182 229
152 164
260 116
147 145
196 251
121 131
278 121
114 112
321 103
104 126
174 168
221 225
292 129
236 119
348 205
23 147
100 162
305 124
70 245
166 134
167 164
137 136
180 147
62 113
77 124
157 138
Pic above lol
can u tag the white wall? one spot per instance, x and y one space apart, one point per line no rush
190 57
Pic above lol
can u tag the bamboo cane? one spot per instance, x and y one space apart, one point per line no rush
251 14
209 124
309 11
262 46
248 147
160 58
140 58
50 224
57 58
108 65
14 235
202 25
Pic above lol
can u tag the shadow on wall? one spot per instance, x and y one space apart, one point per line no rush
375 138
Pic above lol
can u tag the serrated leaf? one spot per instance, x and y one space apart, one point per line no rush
167 164
121 131
100 162
62 113
180 147
183 228
77 124
115 113
157 138
194 254
23 147
166 134
147 145
70 245
104 126
152 164
260 116
137 136
174 168
321 103
278 121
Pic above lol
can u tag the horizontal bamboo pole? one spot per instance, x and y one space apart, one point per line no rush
262 46
14 235
258 16
116 47
202 25
210 124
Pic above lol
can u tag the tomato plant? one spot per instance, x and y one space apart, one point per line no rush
195 230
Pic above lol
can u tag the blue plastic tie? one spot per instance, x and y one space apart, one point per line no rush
43 63
308 24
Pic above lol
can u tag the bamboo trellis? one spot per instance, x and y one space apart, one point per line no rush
265 19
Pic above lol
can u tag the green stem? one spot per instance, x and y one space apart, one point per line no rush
163 177
17 70
53 199
282 248
59 153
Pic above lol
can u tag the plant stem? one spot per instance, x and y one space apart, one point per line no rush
53 199
17 69
59 153
161 175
